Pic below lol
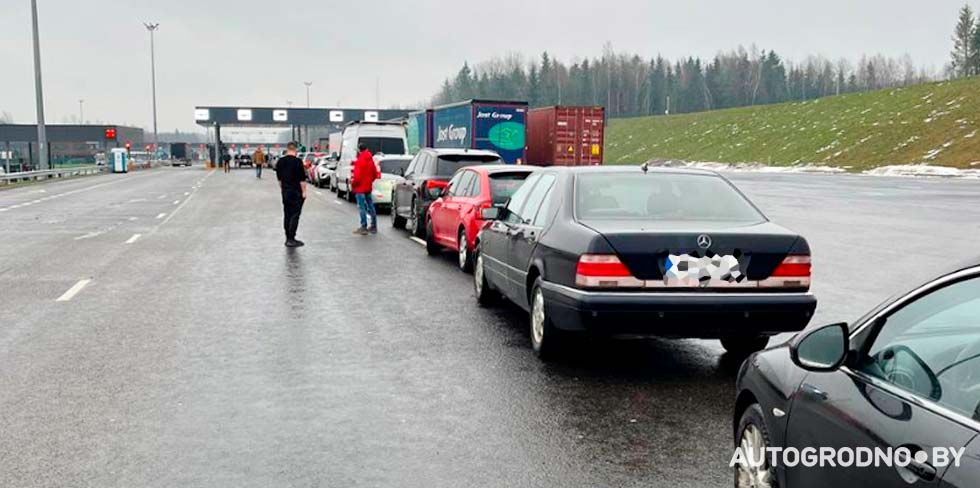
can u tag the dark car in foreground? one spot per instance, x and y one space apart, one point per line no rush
426 176
906 375
634 251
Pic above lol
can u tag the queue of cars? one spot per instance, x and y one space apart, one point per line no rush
640 251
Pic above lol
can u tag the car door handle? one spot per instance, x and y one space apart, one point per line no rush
925 471
813 392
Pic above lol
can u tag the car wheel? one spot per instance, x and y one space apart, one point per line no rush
753 439
545 338
743 346
397 221
417 220
465 257
485 296
431 246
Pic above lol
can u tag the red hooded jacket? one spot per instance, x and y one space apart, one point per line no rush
364 173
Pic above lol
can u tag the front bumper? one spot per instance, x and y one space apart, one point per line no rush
706 315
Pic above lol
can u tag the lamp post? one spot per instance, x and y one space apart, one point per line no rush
153 80
81 111
42 137
308 85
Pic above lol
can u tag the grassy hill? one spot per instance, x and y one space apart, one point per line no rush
934 123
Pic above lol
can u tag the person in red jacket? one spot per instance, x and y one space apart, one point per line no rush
364 174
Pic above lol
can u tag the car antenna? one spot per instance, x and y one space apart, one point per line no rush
645 167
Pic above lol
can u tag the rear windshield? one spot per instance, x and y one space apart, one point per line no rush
384 145
448 164
659 196
394 166
503 185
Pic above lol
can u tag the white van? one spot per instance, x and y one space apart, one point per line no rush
379 137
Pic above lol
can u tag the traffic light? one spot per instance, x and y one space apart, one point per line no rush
129 145
110 133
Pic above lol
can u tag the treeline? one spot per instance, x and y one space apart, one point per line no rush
629 85
965 57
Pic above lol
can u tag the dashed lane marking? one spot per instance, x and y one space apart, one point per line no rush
417 240
133 239
68 295
176 202
161 215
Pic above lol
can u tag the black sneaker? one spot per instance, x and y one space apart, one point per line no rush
373 230
293 243
299 243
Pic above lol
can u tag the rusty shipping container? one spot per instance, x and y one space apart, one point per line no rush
565 136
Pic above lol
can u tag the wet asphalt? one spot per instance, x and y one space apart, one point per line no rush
203 353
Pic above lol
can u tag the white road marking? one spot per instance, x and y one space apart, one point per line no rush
187 193
337 202
90 235
68 295
161 215
4 209
133 239
417 240
161 196
176 202
131 219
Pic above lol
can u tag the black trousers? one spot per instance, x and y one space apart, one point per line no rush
292 206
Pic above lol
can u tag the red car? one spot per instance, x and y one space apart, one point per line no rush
454 218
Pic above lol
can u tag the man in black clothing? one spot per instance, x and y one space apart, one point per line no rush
292 182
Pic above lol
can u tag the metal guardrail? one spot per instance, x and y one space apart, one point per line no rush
49 174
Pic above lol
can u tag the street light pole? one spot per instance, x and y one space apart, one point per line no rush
153 76
308 84
81 111
42 137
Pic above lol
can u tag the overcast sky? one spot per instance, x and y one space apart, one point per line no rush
259 52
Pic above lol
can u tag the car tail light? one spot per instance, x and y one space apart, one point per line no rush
794 266
792 272
604 271
433 184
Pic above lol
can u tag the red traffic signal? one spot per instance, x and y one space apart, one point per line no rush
110 133
129 145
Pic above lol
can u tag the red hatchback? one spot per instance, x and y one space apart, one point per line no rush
454 219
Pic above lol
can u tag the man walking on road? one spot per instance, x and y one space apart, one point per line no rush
226 160
362 181
292 182
258 159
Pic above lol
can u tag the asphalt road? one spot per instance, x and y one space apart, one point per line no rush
201 352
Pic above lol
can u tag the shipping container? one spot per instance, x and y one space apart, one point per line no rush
419 127
482 124
565 136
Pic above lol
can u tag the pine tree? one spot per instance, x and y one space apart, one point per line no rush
976 48
963 56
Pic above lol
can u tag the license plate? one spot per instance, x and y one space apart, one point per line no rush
687 271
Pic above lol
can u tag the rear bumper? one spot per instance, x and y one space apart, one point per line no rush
706 315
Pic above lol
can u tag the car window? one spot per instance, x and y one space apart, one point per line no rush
517 200
453 186
544 213
465 180
661 196
473 190
535 198
428 166
393 166
413 166
931 347
383 145
503 185
450 163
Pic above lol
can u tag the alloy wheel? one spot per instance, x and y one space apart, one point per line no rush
464 254
753 474
537 317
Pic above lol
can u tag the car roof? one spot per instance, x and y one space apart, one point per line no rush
629 168
439 151
382 156
502 168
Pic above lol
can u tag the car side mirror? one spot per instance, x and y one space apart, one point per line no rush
822 349
401 171
491 213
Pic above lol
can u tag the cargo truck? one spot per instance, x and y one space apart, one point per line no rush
482 124
419 127
565 136
178 154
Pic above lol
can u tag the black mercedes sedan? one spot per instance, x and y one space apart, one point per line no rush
901 385
638 251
